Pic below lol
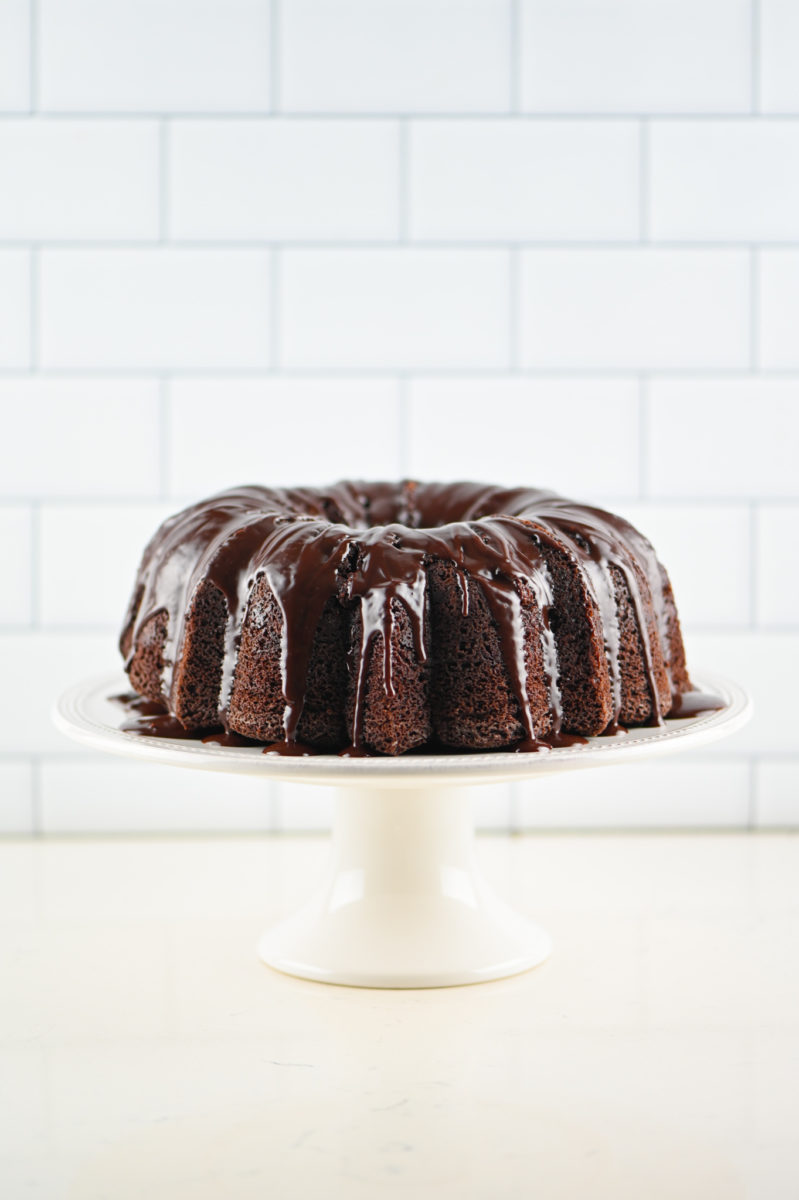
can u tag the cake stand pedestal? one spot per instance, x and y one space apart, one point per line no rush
403 902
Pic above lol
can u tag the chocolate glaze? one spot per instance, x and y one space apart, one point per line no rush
228 738
162 725
138 705
289 749
368 545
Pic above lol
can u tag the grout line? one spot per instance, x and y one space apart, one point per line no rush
164 426
35 564
754 309
163 180
755 56
354 371
274 55
514 309
34 307
555 245
37 815
754 556
33 54
148 374
515 52
403 183
643 437
644 216
265 114
275 302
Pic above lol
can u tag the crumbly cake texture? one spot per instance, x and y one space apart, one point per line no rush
386 617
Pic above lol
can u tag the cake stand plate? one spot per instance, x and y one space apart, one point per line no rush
402 903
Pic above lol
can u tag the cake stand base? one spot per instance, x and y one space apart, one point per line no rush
403 903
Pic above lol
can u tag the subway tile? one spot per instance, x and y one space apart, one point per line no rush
79 437
777 567
395 55
43 665
284 179
15 55
303 807
635 56
15 539
777 794
121 797
675 795
15 305
577 436
718 181
705 549
522 179
766 665
395 308
348 427
779 308
16 797
89 555
723 437
78 179
779 37
155 308
635 308
124 56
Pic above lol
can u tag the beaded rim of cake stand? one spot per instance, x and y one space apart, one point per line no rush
75 714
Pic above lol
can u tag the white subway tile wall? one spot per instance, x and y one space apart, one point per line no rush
285 240
284 180
291 425
15 56
400 308
15 308
659 56
79 179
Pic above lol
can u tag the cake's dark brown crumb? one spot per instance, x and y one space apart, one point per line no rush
585 687
675 648
322 722
637 705
147 665
257 702
392 723
472 701
198 674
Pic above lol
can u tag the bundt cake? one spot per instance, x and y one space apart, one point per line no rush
382 617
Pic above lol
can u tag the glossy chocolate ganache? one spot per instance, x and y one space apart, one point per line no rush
382 617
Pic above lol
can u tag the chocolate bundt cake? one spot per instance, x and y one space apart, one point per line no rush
382 617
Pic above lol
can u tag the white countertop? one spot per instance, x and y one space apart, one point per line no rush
145 1052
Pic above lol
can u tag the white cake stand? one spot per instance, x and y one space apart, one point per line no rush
403 903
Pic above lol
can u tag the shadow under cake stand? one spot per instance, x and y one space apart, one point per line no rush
403 902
